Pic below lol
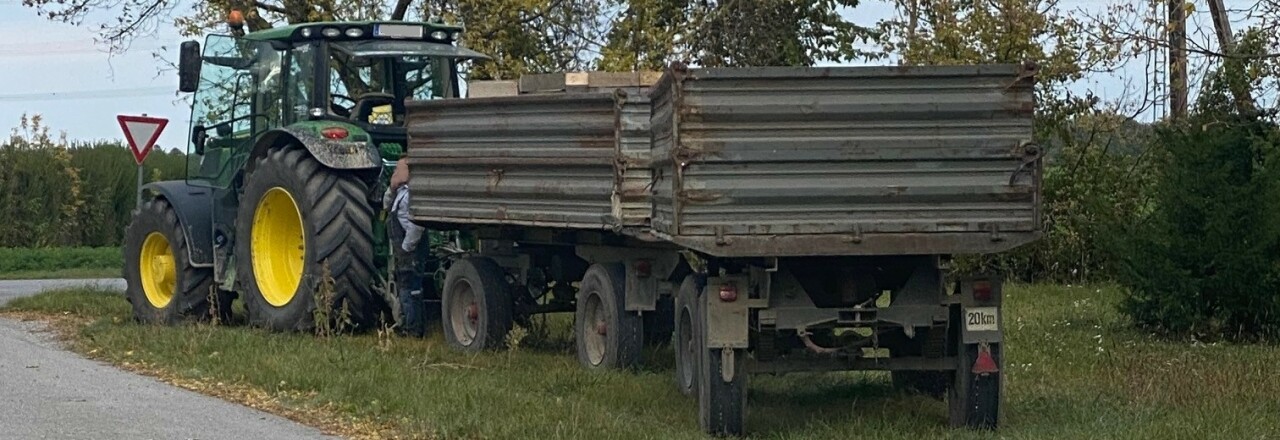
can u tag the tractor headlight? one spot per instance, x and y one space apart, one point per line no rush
306 32
355 32
439 35
455 35
331 32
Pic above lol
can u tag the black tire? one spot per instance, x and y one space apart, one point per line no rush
606 335
722 405
337 236
685 337
974 399
191 287
476 286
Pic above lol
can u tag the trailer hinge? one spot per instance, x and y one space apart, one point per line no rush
720 238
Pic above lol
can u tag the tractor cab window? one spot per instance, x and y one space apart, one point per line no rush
370 81
238 97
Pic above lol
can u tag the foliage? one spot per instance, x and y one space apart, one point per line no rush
1206 262
1097 172
57 193
647 34
55 259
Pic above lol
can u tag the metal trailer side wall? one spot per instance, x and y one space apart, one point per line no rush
936 159
554 160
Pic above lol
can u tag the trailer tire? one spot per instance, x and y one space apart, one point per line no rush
606 335
161 284
722 405
974 400
476 305
685 337
314 222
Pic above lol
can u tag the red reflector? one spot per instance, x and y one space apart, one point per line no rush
985 364
334 133
728 293
982 290
643 268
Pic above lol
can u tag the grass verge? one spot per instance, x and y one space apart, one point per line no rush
1075 370
78 273
48 263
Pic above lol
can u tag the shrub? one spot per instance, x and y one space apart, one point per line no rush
1206 262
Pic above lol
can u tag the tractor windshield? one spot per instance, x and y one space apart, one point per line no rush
370 80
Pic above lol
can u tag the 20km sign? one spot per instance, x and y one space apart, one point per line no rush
981 319
142 133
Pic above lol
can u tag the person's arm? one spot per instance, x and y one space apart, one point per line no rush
412 232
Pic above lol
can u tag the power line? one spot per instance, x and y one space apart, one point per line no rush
88 94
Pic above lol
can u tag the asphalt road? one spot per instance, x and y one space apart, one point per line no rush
49 393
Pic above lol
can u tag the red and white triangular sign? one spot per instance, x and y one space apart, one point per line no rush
141 132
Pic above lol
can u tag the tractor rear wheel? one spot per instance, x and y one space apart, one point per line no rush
304 252
162 285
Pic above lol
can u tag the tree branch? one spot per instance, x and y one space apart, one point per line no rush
402 7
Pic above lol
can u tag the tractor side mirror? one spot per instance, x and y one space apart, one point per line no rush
188 66
198 138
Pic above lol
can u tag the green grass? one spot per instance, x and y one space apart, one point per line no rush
78 273
1075 370
44 263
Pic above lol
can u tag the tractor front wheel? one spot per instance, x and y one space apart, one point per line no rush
304 247
162 285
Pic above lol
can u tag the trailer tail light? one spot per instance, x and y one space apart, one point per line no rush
982 290
985 364
334 133
728 293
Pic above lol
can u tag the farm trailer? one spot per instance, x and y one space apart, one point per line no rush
795 219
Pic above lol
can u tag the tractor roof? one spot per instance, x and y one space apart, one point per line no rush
292 32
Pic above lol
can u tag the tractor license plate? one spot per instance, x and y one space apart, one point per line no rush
982 319
397 31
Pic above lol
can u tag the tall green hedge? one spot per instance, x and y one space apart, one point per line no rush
55 193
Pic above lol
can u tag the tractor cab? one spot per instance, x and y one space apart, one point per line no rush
337 81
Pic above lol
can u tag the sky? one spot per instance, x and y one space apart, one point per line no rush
78 88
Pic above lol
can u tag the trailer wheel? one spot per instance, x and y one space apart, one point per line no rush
685 338
722 386
162 285
476 305
974 398
607 335
300 226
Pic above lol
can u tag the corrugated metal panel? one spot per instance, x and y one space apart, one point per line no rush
541 160
775 151
635 164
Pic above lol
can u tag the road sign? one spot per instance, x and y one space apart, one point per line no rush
141 132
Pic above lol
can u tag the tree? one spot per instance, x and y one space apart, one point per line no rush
732 33
1206 261
522 35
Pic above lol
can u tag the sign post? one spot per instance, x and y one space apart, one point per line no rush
141 132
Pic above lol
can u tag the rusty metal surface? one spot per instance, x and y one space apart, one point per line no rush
930 159
548 160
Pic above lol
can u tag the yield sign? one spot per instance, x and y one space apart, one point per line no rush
141 132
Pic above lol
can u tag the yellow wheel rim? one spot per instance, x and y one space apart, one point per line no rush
158 272
277 246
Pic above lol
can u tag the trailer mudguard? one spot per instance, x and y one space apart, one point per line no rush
355 152
194 206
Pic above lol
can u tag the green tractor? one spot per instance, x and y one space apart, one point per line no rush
294 131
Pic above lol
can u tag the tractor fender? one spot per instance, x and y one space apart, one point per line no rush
194 206
355 152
